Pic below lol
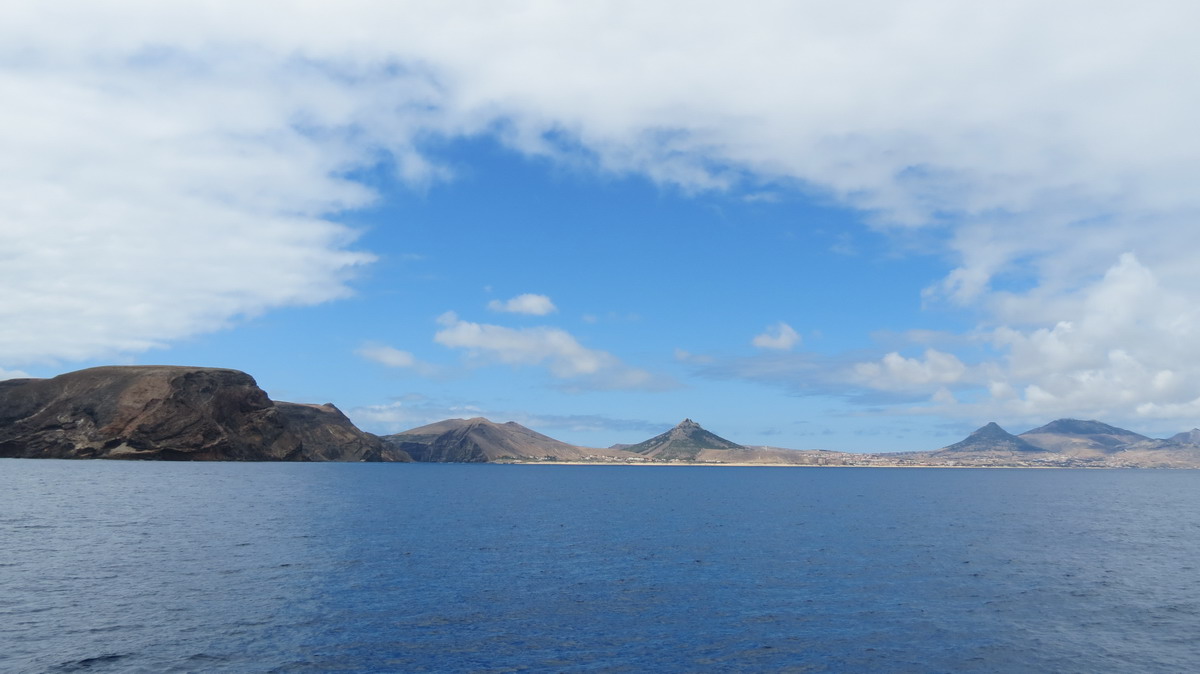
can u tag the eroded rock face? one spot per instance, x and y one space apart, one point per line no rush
174 413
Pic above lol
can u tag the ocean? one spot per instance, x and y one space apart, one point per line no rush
282 567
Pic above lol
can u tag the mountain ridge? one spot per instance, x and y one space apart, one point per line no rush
1081 439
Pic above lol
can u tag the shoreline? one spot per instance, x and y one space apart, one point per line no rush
790 465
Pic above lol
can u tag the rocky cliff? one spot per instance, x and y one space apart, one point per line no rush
173 413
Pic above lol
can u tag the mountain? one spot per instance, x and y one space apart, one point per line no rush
991 439
1081 439
684 442
173 413
479 440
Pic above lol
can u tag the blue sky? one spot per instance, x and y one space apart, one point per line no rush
868 227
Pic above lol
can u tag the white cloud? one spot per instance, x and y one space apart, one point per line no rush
395 358
558 350
894 372
1125 347
386 355
780 337
528 303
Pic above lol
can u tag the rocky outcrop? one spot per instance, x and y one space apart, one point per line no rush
172 413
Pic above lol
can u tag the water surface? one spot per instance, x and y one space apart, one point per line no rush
260 567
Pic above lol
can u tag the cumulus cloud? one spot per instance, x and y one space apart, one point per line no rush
894 372
564 357
1124 347
386 355
528 303
780 337
887 380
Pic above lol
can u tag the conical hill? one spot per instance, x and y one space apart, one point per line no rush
991 438
685 441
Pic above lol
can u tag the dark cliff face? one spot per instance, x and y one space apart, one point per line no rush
174 413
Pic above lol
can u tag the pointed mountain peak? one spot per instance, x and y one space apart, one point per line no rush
991 430
684 441
990 438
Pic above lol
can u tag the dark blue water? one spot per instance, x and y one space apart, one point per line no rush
181 567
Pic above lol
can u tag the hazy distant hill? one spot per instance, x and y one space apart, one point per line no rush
1063 443
480 440
684 442
1181 450
1081 439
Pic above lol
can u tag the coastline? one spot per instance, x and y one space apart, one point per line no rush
795 465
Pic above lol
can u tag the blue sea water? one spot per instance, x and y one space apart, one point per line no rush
235 567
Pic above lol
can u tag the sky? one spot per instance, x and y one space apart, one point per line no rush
858 226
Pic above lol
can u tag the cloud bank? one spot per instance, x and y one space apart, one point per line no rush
170 167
